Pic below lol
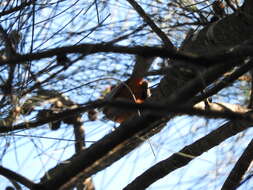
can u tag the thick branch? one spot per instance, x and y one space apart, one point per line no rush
224 82
235 53
187 154
17 177
17 8
229 31
240 168
215 110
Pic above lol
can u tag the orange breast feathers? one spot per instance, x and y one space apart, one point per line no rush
133 90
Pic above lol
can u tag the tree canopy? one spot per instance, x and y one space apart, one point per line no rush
127 94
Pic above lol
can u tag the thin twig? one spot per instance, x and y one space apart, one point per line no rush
149 21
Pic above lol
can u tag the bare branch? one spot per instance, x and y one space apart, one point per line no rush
187 154
224 82
17 177
143 124
215 110
240 168
237 53
17 8
155 28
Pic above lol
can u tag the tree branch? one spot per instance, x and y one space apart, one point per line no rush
138 125
235 53
17 177
224 82
149 21
215 110
240 168
17 8
187 154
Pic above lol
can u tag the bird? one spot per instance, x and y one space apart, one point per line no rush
134 90
218 9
